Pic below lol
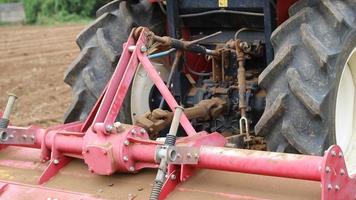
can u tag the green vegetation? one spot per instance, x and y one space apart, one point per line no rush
59 11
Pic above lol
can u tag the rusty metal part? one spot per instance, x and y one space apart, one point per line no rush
181 44
241 77
159 119
216 69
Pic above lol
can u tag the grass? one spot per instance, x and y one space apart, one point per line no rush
56 12
59 19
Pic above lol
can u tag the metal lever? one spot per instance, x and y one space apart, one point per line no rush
165 155
4 121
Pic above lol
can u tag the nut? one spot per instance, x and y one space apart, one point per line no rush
333 153
131 169
109 128
56 161
330 187
125 158
143 49
126 143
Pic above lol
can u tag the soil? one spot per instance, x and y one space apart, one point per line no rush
33 60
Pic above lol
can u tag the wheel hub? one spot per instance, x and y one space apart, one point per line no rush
345 119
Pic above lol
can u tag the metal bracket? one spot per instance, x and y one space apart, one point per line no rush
17 136
183 155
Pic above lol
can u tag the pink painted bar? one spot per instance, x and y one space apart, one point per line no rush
114 81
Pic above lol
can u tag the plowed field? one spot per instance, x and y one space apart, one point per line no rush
33 60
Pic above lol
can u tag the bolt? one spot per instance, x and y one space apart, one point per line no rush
125 158
131 169
56 161
32 137
337 188
143 49
178 155
126 143
105 152
133 132
173 177
109 128
196 156
333 153
327 169
340 155
342 172
11 136
117 124
330 187
142 131
118 127
24 137
189 155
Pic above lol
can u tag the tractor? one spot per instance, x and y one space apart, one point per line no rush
262 90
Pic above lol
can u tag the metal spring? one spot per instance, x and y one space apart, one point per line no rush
156 190
170 140
4 123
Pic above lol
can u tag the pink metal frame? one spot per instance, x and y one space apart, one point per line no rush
130 150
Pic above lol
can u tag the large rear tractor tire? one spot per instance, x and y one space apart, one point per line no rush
310 85
101 45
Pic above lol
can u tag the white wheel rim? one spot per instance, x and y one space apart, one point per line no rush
141 88
345 113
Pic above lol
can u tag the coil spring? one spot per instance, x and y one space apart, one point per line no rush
156 190
170 140
4 123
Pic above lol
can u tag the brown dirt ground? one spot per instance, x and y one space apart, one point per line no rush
33 60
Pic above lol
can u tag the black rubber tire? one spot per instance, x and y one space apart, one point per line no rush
101 46
302 80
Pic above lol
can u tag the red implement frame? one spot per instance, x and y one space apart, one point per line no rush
107 149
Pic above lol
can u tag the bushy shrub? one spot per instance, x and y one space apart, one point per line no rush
32 9
61 10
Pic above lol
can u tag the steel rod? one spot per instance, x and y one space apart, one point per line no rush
303 167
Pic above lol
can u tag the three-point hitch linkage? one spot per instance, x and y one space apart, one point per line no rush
108 146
